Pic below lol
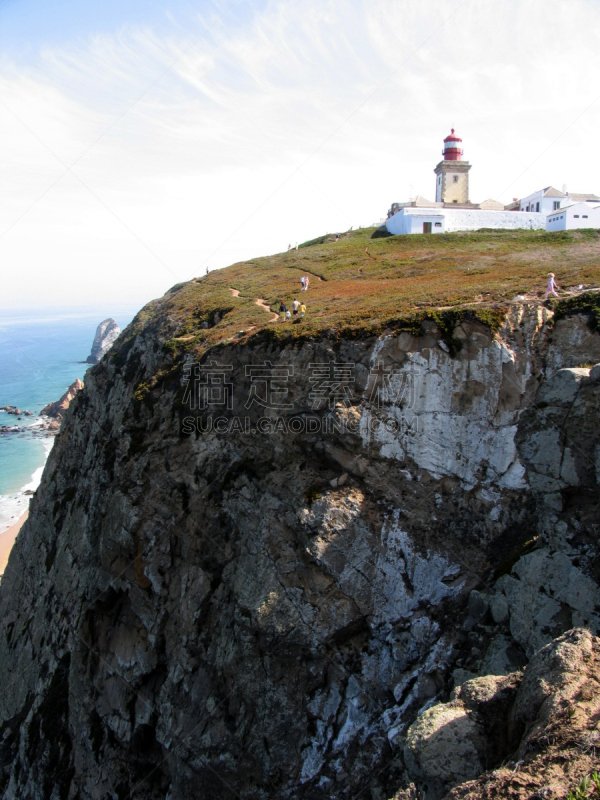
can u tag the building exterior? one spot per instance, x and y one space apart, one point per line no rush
412 219
452 209
576 215
547 200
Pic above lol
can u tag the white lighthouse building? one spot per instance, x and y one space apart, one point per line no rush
452 210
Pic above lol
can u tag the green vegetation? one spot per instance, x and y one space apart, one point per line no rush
587 303
589 787
361 286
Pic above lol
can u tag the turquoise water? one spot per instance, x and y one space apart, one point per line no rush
41 354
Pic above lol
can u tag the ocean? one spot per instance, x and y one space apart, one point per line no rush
41 354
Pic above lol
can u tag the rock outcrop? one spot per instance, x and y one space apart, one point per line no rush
107 334
58 408
520 736
229 599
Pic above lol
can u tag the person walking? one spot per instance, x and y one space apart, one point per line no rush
302 311
296 245
302 279
295 307
306 284
282 309
289 247
552 286
288 316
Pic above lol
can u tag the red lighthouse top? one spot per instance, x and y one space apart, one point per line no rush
452 150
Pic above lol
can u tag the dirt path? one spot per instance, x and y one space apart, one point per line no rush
306 272
260 302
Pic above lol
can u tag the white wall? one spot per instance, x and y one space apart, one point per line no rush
410 220
464 219
579 215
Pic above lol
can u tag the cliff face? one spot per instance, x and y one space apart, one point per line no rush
203 604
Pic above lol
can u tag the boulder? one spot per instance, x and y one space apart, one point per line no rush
530 735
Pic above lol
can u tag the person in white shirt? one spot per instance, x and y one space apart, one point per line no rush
552 287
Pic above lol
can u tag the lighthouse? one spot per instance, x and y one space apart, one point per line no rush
452 174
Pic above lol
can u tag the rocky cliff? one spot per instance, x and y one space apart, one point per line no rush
249 571
106 334
58 408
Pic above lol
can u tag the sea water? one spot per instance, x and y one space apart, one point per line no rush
41 354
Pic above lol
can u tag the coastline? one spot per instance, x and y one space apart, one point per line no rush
13 506
7 540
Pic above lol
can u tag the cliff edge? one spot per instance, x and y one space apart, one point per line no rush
262 552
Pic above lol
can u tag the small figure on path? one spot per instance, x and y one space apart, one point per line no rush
282 309
302 279
306 284
302 311
295 307
289 247
288 316
296 245
337 237
552 286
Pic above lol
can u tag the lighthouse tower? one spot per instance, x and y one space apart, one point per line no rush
452 174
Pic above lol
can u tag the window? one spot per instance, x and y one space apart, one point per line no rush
455 178
438 224
555 205
576 216
585 216
455 201
537 206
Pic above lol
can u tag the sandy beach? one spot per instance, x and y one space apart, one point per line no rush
7 539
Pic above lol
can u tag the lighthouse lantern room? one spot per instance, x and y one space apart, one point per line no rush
452 147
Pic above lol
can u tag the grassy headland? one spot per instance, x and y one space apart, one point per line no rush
362 285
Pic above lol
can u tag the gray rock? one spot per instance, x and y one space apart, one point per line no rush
562 388
443 748
478 605
499 608
106 334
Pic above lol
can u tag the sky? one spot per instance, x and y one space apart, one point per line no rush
143 142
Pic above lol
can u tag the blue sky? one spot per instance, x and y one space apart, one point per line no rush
135 151
27 25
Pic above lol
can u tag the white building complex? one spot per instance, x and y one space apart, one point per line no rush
576 215
452 209
550 199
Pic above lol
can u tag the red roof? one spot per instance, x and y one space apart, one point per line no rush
452 137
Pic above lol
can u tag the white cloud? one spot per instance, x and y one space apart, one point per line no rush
219 138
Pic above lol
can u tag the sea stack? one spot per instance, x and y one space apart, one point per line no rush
106 333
